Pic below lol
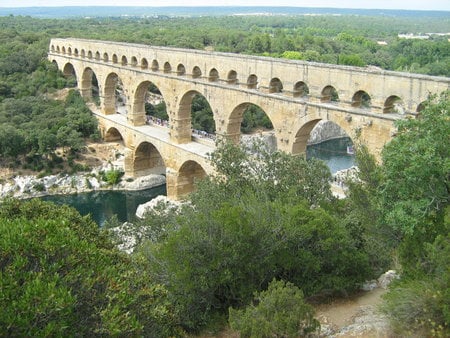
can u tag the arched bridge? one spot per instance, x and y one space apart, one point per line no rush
295 95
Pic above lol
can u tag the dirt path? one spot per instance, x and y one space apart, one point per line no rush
354 317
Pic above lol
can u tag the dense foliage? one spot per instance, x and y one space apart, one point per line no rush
60 275
279 311
32 124
260 218
405 204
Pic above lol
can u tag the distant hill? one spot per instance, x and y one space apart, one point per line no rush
103 11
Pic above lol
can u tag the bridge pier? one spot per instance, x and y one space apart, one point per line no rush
180 130
136 119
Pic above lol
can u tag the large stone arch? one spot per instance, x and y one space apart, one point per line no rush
89 84
233 126
147 160
303 132
188 175
110 104
71 75
139 99
112 134
183 119
69 69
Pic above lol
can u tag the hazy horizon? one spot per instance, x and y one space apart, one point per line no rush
436 5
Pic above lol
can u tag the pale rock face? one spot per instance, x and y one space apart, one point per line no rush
31 186
386 278
142 209
324 131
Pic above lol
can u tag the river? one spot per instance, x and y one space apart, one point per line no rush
102 205
334 153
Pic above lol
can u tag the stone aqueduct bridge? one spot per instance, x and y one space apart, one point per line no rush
295 95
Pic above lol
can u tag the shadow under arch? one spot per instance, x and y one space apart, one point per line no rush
113 135
70 75
189 174
147 160
142 96
113 94
196 113
307 135
235 126
89 86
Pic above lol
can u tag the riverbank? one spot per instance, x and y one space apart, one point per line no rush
102 157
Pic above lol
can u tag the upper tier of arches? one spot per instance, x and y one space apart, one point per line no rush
299 84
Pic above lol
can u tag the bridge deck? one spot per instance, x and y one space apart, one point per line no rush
159 133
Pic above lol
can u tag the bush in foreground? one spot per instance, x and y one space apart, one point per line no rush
60 275
280 311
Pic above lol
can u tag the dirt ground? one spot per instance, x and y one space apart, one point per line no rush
342 312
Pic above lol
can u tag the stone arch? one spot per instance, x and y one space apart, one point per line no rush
196 72
421 106
213 75
63 50
301 89
393 105
113 135
124 60
167 67
252 81
147 160
105 57
181 70
75 52
141 96
58 50
55 63
52 48
304 132
115 59
89 85
302 136
114 95
329 94
232 77
134 61
155 65
275 85
83 53
185 111
68 70
97 56
189 174
69 51
144 63
89 54
234 125
361 99
70 74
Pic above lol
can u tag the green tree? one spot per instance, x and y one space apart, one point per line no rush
279 311
262 226
61 275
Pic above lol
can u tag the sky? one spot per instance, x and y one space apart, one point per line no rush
378 4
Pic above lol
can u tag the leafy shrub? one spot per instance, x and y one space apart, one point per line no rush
39 187
60 275
112 176
280 311
421 303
